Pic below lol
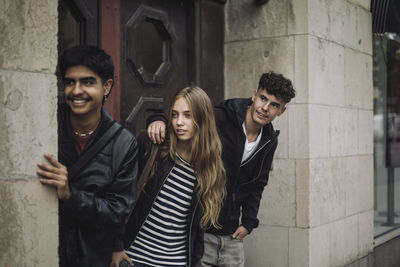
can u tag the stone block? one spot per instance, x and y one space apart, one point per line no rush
354 264
299 131
246 61
301 69
319 18
28 121
335 244
344 244
298 17
278 204
353 183
343 131
319 131
366 4
258 19
358 79
327 190
319 246
281 123
29 35
270 242
365 233
363 31
28 224
303 193
365 131
341 22
299 247
359 184
326 73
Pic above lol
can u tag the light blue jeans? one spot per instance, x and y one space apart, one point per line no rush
222 251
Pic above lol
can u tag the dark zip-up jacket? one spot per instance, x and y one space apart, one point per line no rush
245 181
101 194
147 197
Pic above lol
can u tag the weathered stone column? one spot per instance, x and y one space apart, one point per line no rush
317 209
28 128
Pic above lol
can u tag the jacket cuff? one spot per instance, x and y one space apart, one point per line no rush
250 224
156 117
118 245
73 201
118 239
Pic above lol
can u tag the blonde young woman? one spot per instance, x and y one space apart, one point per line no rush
184 195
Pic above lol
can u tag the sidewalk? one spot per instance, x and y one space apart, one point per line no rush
385 255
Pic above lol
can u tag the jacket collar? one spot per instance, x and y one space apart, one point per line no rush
236 109
242 107
65 138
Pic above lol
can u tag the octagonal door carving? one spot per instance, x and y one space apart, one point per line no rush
154 56
166 46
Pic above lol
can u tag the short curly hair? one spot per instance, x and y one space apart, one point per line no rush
277 85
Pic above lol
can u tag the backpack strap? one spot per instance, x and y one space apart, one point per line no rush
94 150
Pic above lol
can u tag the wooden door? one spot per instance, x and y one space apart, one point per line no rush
155 48
160 47
166 46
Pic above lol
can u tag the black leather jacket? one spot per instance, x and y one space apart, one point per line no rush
101 195
147 197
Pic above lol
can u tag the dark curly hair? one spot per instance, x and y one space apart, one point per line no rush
277 85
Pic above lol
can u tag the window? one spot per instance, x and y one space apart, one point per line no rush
386 75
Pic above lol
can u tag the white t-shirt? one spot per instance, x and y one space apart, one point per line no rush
250 148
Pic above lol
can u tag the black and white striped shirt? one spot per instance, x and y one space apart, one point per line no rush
162 239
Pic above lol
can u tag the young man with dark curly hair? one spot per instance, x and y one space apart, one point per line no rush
248 146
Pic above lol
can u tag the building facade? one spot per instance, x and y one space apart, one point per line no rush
318 206
329 198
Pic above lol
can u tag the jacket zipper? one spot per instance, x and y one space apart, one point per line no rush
262 164
190 231
247 161
252 156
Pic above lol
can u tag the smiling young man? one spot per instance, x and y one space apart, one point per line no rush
248 146
95 175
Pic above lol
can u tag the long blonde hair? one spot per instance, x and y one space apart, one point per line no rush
205 153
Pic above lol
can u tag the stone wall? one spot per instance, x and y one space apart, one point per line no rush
28 128
317 209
